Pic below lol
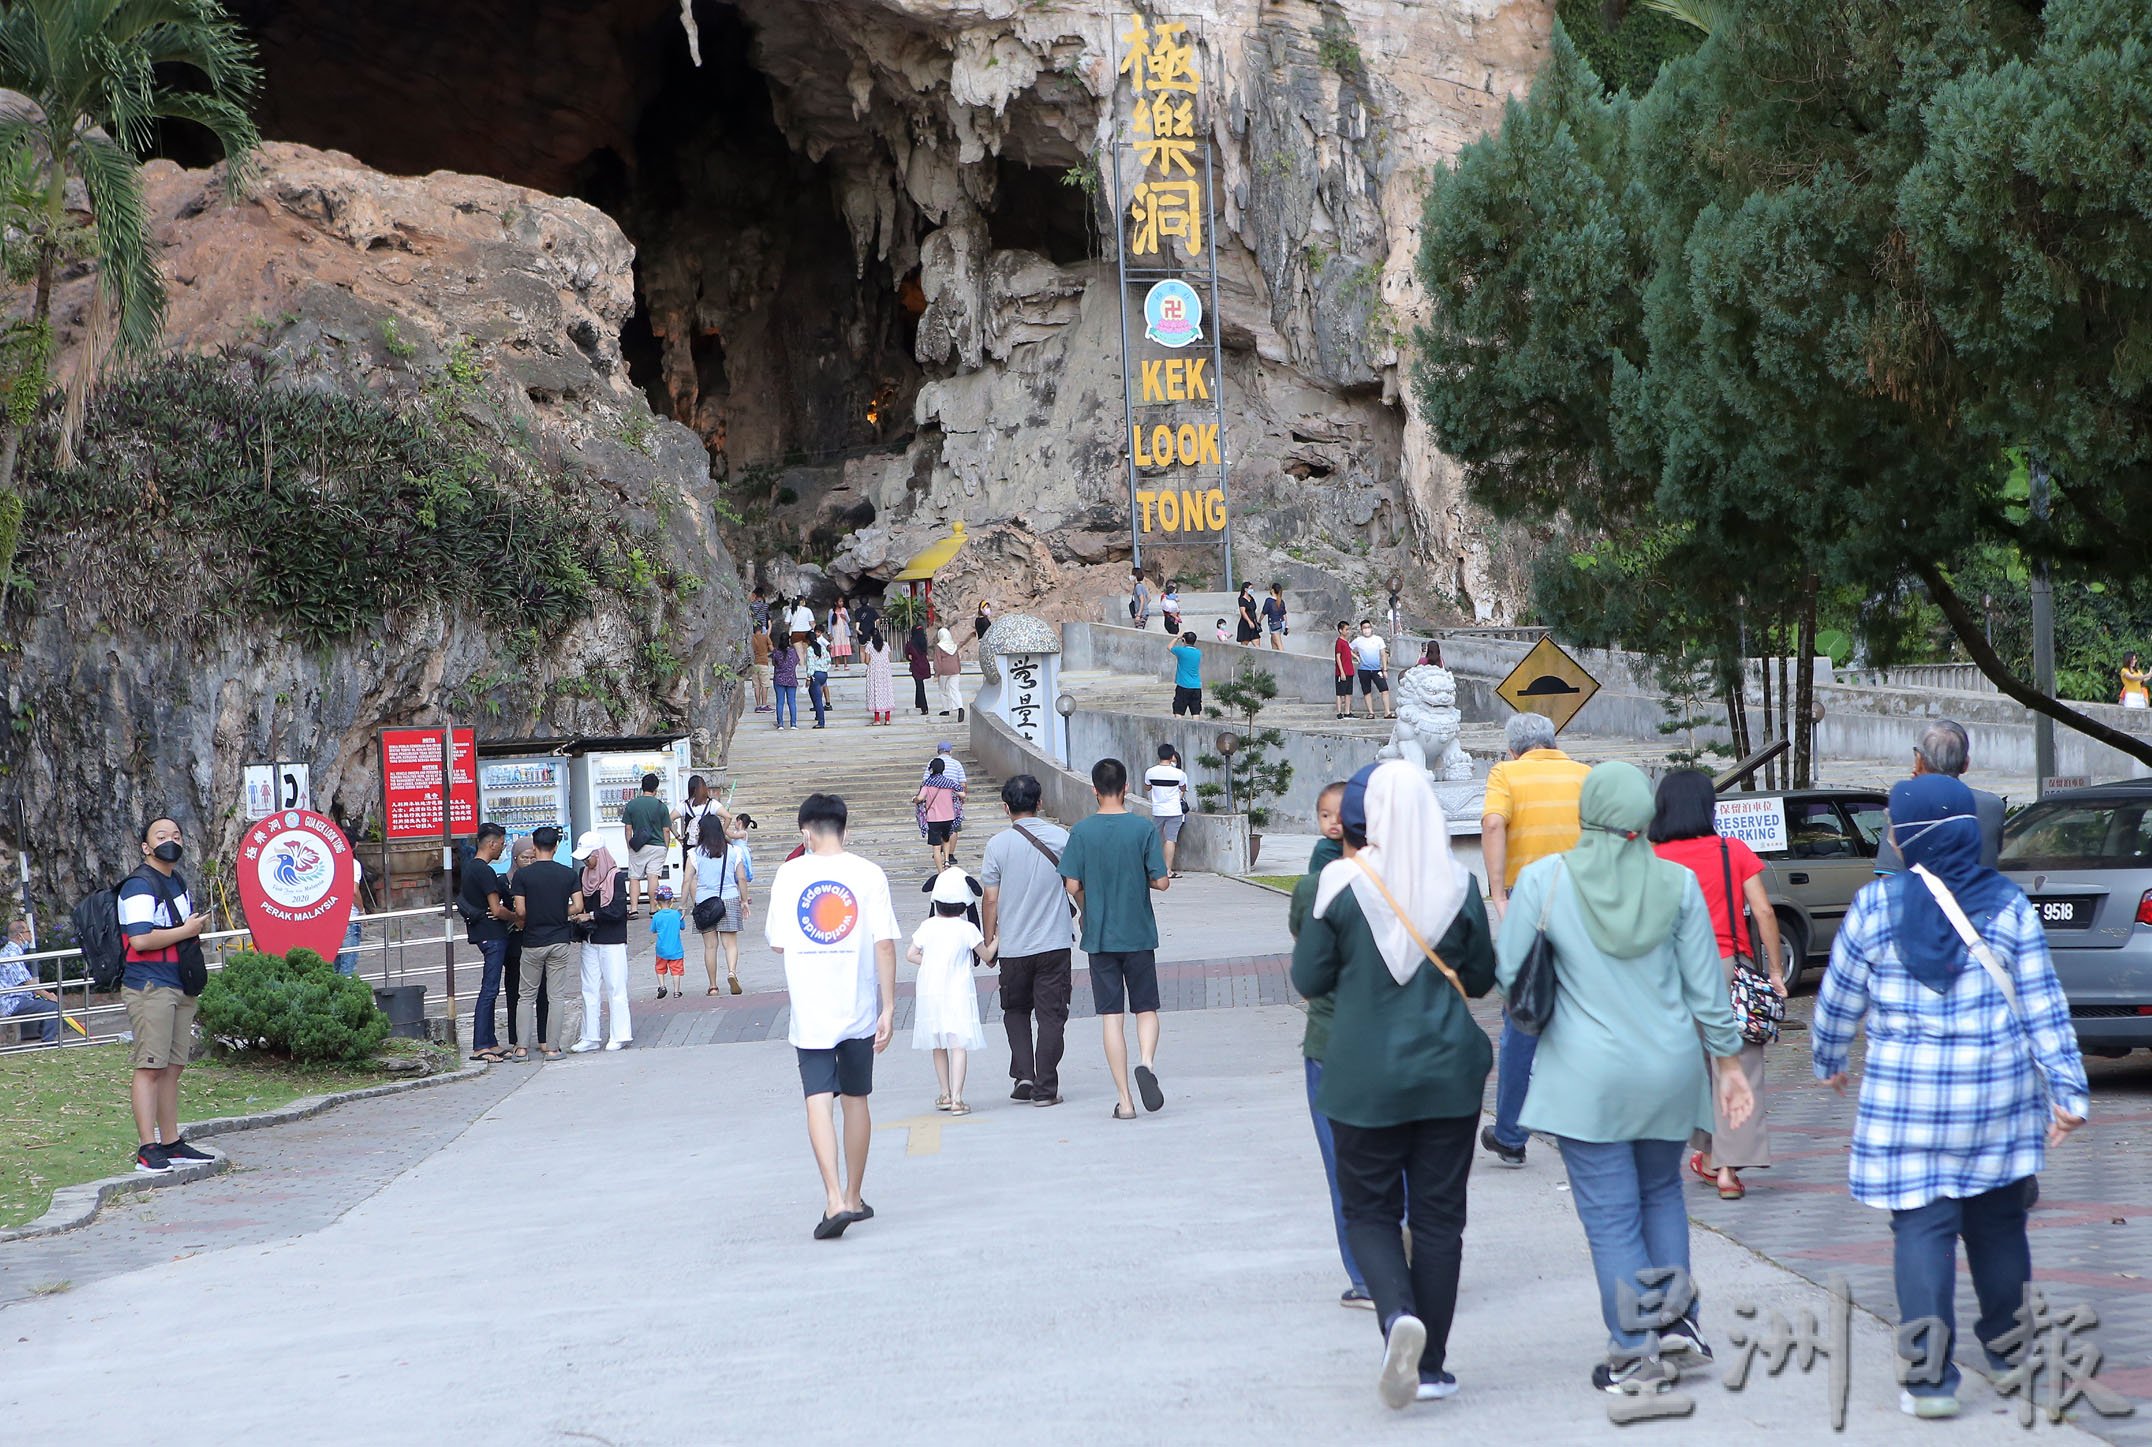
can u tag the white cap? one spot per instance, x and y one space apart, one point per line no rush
591 842
954 886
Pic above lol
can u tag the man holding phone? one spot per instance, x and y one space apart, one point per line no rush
156 917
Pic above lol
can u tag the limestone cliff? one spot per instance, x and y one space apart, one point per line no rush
159 650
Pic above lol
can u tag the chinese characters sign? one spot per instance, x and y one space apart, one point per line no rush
411 784
1028 704
1169 290
297 881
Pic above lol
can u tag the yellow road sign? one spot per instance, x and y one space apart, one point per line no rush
1549 681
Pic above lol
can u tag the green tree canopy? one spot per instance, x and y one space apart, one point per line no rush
1792 315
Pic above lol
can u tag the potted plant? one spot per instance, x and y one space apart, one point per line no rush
1246 760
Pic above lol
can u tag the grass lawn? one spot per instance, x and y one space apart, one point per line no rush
1275 881
65 1118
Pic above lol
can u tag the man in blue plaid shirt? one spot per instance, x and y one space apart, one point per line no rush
1964 1089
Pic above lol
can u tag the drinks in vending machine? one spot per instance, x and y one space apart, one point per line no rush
522 795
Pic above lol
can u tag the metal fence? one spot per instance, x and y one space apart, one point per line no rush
396 947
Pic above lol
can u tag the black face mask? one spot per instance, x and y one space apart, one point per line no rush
169 851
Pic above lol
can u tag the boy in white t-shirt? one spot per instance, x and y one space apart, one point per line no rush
1168 785
831 918
1371 662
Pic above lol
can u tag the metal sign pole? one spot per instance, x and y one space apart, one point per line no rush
448 874
1128 396
1210 151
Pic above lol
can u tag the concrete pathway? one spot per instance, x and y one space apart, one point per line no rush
618 1251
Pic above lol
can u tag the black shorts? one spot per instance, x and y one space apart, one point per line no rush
1345 688
938 830
1373 680
1187 701
1133 975
846 1068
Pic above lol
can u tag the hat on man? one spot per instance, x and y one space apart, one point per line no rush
945 747
591 842
954 886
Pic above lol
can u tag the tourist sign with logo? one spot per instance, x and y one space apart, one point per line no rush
1549 681
297 881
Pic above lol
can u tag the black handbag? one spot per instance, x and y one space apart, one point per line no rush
1531 992
709 913
193 966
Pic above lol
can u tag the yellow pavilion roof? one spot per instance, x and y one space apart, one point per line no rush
926 564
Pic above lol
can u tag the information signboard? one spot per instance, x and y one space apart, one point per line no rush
297 881
411 784
1758 823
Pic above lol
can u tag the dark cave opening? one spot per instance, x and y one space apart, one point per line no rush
754 324
1039 210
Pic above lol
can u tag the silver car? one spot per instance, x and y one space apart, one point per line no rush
2084 858
1831 837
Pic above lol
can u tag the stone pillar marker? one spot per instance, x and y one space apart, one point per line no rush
1022 656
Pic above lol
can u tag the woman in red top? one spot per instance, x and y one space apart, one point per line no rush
1683 830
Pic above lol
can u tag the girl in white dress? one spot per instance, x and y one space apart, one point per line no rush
945 1002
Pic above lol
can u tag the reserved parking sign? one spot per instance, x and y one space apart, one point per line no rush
1758 823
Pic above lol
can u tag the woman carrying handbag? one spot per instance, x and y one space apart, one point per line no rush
1684 830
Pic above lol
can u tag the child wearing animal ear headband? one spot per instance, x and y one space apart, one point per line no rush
945 1013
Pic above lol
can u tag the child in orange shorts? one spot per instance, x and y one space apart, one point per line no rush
665 923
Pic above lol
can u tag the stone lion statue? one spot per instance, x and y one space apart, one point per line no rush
1427 722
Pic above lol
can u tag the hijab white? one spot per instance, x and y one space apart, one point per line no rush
1408 844
944 642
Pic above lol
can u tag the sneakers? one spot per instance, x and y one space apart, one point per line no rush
1044 1100
1399 1383
150 1160
616 1044
583 1047
180 1153
1357 1296
1436 1387
1024 1090
1930 1407
1502 1153
1649 1373
1685 1344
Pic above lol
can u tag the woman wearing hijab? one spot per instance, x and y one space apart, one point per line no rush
1249 627
948 665
881 685
917 653
1406 1065
1617 1079
1967 1081
605 952
1684 828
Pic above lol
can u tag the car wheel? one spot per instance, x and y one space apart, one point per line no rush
1792 951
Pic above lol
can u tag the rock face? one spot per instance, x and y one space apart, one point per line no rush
872 280
332 277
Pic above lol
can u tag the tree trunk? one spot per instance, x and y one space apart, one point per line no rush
1790 724
1804 706
1988 661
1770 734
11 446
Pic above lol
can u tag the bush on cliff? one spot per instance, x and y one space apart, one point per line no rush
294 1007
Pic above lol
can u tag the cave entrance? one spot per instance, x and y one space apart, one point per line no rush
753 323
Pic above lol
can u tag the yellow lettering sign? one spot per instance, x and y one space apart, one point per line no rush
1144 500
1158 60
1169 512
1165 208
1195 512
1192 374
1153 389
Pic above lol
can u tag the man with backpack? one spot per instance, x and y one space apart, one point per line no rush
158 920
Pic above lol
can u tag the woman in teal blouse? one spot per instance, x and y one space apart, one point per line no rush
1618 1079
1406 1064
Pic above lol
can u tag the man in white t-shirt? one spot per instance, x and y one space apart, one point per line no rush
1168 784
1370 656
831 918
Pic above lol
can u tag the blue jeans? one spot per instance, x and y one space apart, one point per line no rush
483 1033
788 701
1924 1261
347 958
818 694
1513 1076
45 1014
1628 1196
1328 1147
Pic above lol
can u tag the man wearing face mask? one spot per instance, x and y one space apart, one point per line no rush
156 916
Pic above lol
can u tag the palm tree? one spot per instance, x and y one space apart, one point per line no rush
1704 15
89 81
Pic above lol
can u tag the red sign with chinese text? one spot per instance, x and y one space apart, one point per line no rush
411 784
297 881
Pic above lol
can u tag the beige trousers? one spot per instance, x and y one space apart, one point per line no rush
1748 1147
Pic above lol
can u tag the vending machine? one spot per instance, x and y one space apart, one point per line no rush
522 795
605 780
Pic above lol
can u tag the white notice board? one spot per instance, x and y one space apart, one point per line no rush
1758 823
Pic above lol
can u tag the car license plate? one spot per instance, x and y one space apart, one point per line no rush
2069 913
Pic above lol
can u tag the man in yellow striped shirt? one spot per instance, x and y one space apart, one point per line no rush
1531 812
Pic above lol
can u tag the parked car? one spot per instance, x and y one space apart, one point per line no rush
2084 858
1830 839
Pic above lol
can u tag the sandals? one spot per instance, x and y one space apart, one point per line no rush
1117 1113
712 990
519 1056
735 980
491 1055
958 1107
1733 1192
941 1102
1696 1166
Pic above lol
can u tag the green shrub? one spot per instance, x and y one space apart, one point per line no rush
294 1007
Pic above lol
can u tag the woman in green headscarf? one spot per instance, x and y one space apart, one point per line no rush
1617 1080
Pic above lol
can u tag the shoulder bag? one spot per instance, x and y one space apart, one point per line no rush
1955 913
1410 929
1758 1009
193 967
1531 993
1052 858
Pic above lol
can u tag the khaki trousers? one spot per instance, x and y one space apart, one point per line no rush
561 967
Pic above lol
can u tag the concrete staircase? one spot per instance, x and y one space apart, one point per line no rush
875 770
1200 613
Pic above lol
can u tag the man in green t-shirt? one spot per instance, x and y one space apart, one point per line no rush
648 822
1111 864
